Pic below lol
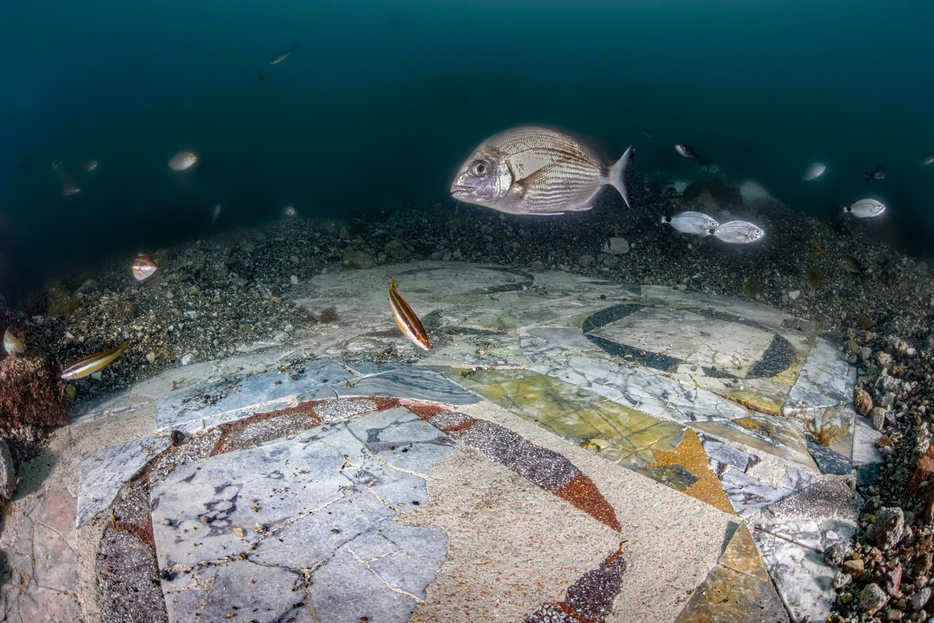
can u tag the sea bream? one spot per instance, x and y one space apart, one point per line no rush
865 208
927 159
696 223
738 232
814 171
533 170
877 174
689 152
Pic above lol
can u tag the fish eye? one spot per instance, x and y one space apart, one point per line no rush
479 168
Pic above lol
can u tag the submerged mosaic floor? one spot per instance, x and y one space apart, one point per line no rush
568 448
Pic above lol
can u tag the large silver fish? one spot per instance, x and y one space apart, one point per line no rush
696 223
738 232
183 160
532 170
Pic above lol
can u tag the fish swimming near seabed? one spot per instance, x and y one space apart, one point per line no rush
406 319
143 267
281 56
877 174
738 232
92 363
689 152
814 171
865 208
696 223
65 180
534 170
851 264
12 344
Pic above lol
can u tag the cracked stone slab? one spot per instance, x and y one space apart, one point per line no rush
319 505
412 382
826 380
104 472
802 578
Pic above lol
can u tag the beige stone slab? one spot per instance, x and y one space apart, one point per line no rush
536 545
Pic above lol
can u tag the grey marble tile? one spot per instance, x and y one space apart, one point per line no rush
402 439
415 382
809 533
749 495
725 453
800 575
233 398
345 590
828 460
104 472
278 599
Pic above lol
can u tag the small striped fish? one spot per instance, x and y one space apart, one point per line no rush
92 363
408 322
531 170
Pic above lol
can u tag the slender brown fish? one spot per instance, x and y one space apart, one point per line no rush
408 322
92 363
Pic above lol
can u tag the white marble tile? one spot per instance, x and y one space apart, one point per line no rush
690 337
864 443
822 382
749 495
414 382
104 472
800 575
644 389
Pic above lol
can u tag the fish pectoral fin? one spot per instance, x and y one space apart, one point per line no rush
536 177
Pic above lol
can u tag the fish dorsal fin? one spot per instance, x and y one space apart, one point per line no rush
537 176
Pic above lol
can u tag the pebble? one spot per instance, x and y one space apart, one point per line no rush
187 359
871 598
151 357
191 314
294 280
854 568
921 598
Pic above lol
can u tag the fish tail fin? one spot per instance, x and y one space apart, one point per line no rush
845 208
619 174
868 176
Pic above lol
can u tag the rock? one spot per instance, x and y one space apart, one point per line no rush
841 579
294 280
187 359
756 197
585 260
794 294
397 250
616 246
191 314
355 258
893 581
537 265
722 193
890 526
854 568
921 564
871 598
894 615
31 394
151 357
7 472
921 598
862 400
877 414
344 233
836 554
924 471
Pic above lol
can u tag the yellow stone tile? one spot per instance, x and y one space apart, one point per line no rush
728 596
741 554
690 455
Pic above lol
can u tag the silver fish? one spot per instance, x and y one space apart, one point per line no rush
696 223
927 159
183 160
738 232
688 152
289 212
532 170
281 56
814 171
876 174
216 213
865 208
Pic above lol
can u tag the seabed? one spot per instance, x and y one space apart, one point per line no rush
569 450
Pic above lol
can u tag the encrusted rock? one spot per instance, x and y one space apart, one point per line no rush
862 400
837 553
355 258
841 579
854 568
7 472
878 417
871 598
890 526
30 394
397 250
